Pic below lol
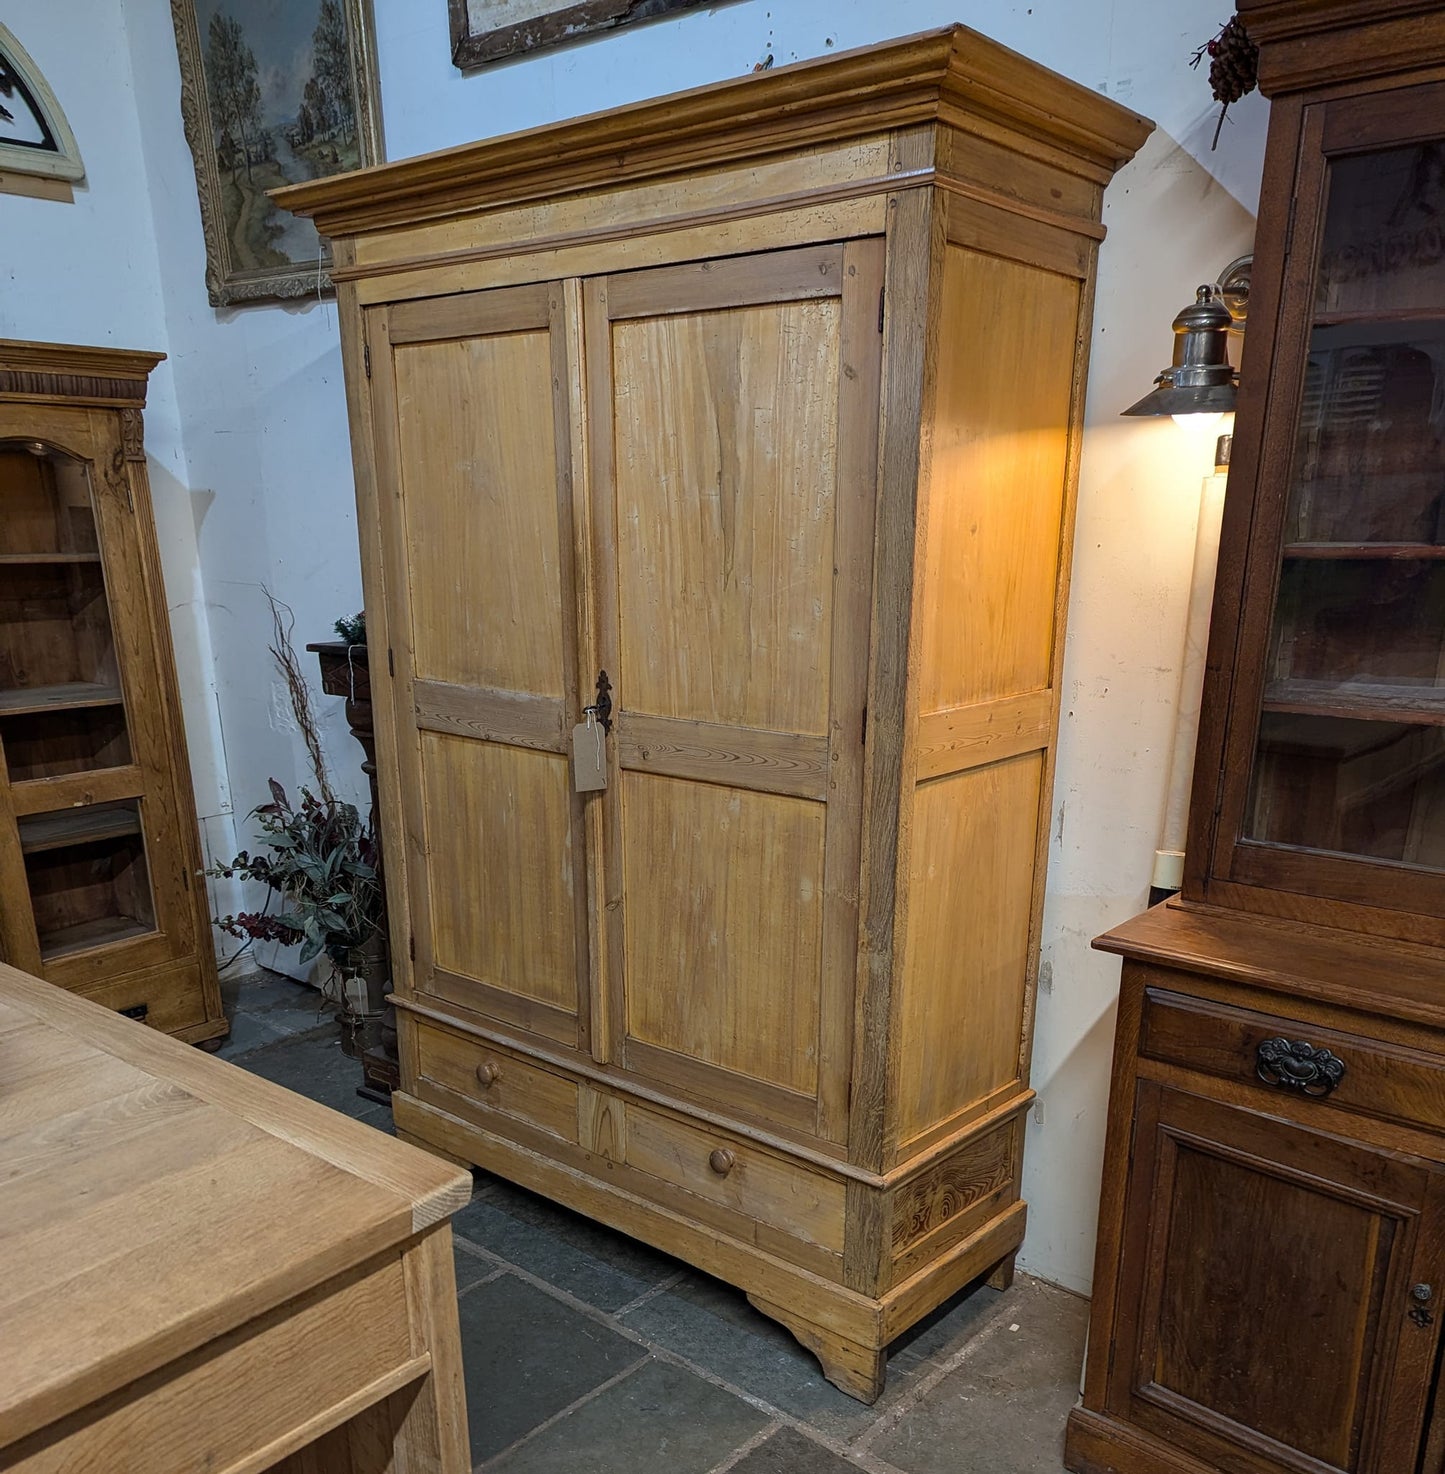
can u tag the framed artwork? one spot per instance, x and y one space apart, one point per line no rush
273 92
35 139
492 30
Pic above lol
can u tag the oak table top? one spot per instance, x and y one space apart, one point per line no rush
154 1200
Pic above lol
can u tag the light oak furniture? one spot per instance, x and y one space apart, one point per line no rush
204 1271
100 890
753 412
1271 1264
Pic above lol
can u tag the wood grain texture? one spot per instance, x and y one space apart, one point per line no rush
966 956
91 704
997 488
724 926
481 511
484 800
771 762
903 82
726 517
127 1159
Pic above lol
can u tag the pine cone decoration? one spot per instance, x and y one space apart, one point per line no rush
1233 67
1234 64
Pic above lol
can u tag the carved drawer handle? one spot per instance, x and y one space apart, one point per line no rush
721 1160
488 1075
1296 1065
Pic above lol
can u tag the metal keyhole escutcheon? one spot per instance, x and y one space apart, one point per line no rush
1421 1295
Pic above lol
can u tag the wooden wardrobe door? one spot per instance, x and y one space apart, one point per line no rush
733 420
1268 1320
472 422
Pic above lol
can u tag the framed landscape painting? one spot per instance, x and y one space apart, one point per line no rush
492 30
273 92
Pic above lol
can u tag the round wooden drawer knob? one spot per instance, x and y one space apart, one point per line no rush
721 1161
488 1075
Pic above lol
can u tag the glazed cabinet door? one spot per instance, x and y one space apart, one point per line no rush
1333 764
96 861
472 425
733 411
1280 1292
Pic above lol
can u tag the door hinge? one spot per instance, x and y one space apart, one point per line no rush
366 358
863 729
881 294
390 661
411 949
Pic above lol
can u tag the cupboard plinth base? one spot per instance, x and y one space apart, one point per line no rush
1096 1444
847 1330
853 1367
1002 1276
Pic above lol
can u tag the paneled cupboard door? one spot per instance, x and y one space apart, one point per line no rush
1269 1314
470 398
733 414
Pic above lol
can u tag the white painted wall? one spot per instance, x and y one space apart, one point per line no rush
263 455
88 272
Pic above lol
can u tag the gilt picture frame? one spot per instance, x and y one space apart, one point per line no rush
485 31
273 92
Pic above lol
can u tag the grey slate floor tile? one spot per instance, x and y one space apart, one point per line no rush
788 1452
659 1419
527 1356
714 1327
1004 1406
314 1064
602 1268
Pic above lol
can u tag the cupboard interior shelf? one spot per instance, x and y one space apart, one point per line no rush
1358 700
1397 552
19 560
1383 316
76 826
104 932
68 697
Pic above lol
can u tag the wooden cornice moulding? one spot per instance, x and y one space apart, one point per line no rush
75 371
953 72
1316 43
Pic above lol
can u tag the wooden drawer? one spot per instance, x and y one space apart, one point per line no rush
1388 1081
167 1000
260 1388
753 1182
491 1080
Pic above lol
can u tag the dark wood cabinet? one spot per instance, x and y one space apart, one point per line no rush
1271 1260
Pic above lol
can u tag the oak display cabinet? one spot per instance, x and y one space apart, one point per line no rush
763 401
99 855
1270 1279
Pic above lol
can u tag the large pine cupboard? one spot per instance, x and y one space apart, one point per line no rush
748 418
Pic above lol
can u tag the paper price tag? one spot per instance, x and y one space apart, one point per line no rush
589 757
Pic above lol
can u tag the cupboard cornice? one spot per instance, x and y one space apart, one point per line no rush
955 76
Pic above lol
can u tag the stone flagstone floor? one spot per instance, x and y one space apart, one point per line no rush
588 1353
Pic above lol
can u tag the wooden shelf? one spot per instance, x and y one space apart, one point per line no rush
82 825
18 560
69 697
1384 317
86 934
1358 701
1388 552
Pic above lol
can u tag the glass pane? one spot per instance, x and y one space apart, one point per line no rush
1352 734
60 698
1367 788
89 883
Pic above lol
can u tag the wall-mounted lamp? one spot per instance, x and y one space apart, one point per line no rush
1201 380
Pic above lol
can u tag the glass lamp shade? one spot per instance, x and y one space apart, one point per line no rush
1201 380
